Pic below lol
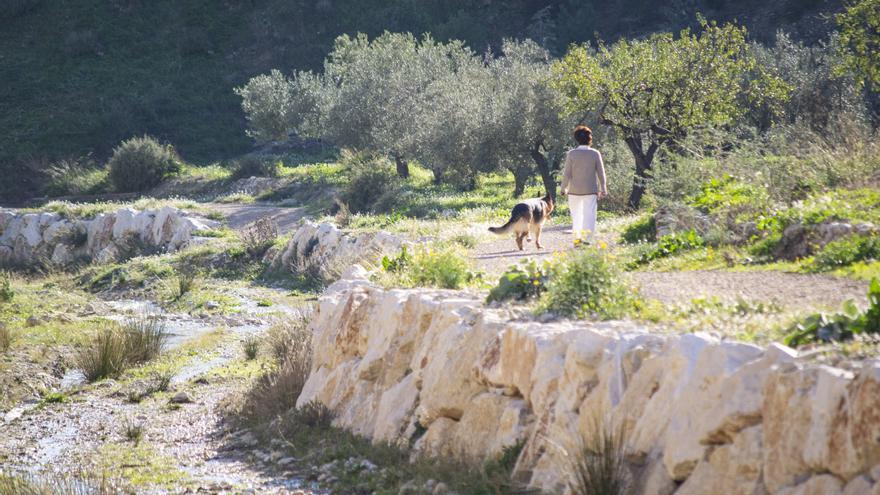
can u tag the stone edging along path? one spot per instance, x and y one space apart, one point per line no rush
439 371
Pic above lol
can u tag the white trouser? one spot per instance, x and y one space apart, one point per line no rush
583 215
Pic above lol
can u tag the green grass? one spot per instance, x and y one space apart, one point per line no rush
141 465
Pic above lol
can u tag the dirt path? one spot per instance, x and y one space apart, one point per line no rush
186 446
239 216
789 290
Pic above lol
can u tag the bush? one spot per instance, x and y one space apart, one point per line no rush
446 268
7 293
528 281
642 230
587 284
140 163
372 182
255 166
845 325
251 346
669 245
847 251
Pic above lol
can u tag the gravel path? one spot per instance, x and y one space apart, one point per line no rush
239 215
789 290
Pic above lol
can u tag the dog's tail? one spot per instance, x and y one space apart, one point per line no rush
504 228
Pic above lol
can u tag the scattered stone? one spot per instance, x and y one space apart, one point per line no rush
440 489
33 321
210 305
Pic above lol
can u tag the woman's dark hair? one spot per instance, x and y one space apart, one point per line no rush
583 135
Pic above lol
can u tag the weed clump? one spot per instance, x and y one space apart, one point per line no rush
598 465
445 268
140 163
845 325
251 346
519 283
259 237
114 349
254 166
57 484
7 293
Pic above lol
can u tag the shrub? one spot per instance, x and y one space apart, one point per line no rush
598 466
669 245
845 325
642 230
140 163
185 279
290 336
521 282
7 293
847 251
371 181
259 237
446 268
587 283
133 431
255 166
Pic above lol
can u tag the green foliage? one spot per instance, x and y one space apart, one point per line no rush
860 39
587 284
445 268
821 327
54 398
372 184
134 432
728 193
73 177
846 251
258 237
276 105
7 293
527 281
853 205
642 230
659 89
5 338
140 163
256 166
669 245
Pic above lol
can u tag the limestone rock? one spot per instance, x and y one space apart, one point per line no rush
732 469
823 484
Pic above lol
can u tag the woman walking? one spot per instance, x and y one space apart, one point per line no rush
583 180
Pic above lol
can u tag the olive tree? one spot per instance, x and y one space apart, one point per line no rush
379 90
656 90
276 105
527 119
860 39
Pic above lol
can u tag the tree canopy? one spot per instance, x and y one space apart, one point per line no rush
656 90
860 39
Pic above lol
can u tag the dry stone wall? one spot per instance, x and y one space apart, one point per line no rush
440 372
49 238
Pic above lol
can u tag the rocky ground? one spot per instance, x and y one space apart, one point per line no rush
185 445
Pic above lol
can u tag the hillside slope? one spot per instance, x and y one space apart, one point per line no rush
78 77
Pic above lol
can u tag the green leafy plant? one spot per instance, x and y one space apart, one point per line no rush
140 163
642 230
844 325
7 293
527 281
251 346
586 284
847 251
669 245
445 268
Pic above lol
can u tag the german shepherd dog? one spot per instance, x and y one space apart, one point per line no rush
527 217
